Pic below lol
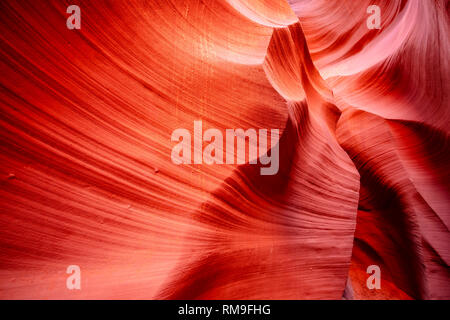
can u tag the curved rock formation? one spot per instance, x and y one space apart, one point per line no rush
87 179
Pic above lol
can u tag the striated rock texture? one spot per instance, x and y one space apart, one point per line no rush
85 139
